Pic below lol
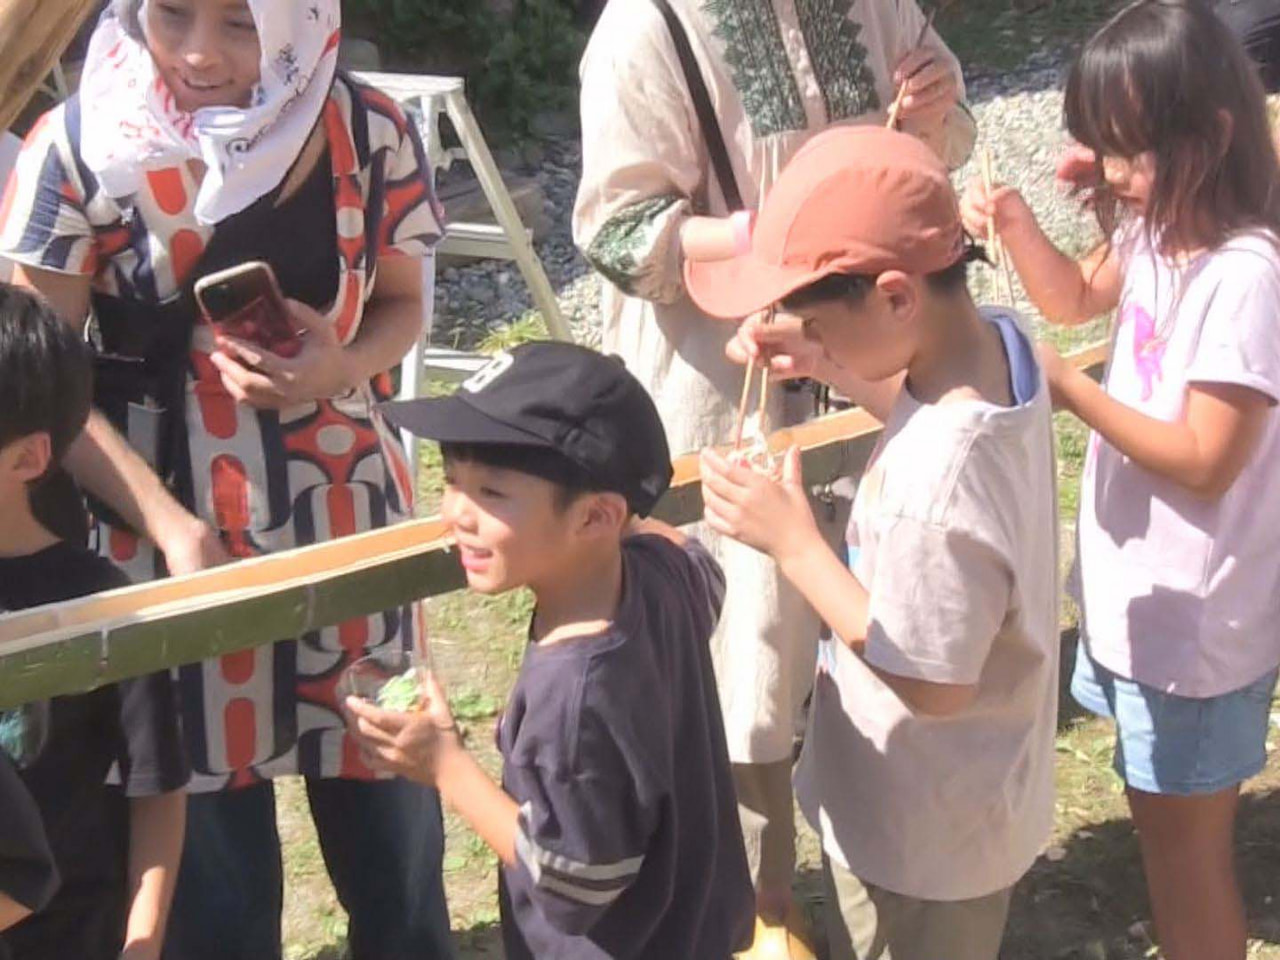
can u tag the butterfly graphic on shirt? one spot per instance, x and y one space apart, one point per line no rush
1148 347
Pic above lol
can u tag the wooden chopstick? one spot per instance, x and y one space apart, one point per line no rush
999 258
741 421
896 107
747 380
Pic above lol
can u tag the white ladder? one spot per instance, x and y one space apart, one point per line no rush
507 240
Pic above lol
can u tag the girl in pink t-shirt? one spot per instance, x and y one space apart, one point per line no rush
1178 566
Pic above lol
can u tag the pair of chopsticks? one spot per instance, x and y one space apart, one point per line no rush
1000 259
896 107
999 256
747 380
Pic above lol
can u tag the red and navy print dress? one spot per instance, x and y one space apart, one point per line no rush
266 480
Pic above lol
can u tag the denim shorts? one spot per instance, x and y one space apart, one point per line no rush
1178 745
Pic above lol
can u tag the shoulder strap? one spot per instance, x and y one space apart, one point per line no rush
711 134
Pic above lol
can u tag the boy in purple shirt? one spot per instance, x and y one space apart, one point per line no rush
616 821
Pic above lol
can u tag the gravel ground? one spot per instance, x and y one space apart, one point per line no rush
1019 116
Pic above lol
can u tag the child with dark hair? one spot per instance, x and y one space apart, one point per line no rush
1178 561
615 821
927 766
116 846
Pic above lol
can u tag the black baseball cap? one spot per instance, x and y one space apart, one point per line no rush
560 397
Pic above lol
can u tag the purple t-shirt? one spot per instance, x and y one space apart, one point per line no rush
629 843
1179 592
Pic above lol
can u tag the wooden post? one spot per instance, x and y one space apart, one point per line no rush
33 34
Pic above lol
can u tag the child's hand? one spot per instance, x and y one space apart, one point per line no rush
1056 371
409 745
1079 172
790 352
980 208
771 516
1078 168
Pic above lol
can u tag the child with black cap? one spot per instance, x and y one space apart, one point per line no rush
615 821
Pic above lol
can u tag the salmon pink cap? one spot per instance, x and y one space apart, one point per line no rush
855 199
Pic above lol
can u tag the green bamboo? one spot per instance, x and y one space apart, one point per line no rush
52 664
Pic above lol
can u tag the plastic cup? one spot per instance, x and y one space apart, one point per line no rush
368 676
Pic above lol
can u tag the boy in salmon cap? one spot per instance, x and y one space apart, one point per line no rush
928 763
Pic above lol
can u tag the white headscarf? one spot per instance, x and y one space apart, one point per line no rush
131 123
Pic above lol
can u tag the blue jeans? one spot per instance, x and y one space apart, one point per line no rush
383 844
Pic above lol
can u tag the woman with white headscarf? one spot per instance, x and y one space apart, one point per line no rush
208 133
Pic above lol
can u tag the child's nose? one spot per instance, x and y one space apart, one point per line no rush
457 511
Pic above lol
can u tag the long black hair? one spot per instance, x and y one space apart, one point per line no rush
1167 76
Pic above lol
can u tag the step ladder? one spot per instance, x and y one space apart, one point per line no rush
436 97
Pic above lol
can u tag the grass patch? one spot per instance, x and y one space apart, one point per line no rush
529 327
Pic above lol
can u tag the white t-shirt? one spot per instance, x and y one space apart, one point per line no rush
1179 592
955 525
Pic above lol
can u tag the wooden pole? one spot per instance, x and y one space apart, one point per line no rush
33 35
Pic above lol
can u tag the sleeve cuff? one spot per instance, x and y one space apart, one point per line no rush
1205 374
889 659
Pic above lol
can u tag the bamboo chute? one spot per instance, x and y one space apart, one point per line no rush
33 36
82 644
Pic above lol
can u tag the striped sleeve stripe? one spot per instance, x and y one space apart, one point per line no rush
592 884
571 891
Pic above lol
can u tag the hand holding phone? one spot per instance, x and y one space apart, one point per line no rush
245 302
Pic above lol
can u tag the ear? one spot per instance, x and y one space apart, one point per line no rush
603 514
28 457
900 291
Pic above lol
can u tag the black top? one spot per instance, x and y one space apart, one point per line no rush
27 873
270 229
614 748
133 726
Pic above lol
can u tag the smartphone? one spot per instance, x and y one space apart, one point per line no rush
245 302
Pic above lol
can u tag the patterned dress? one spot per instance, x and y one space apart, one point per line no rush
778 71
266 480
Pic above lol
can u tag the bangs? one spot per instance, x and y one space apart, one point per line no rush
1103 104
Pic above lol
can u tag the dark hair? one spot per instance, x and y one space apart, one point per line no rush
569 479
855 286
1160 76
46 376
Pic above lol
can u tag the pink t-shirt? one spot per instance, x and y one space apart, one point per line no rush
1179 592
